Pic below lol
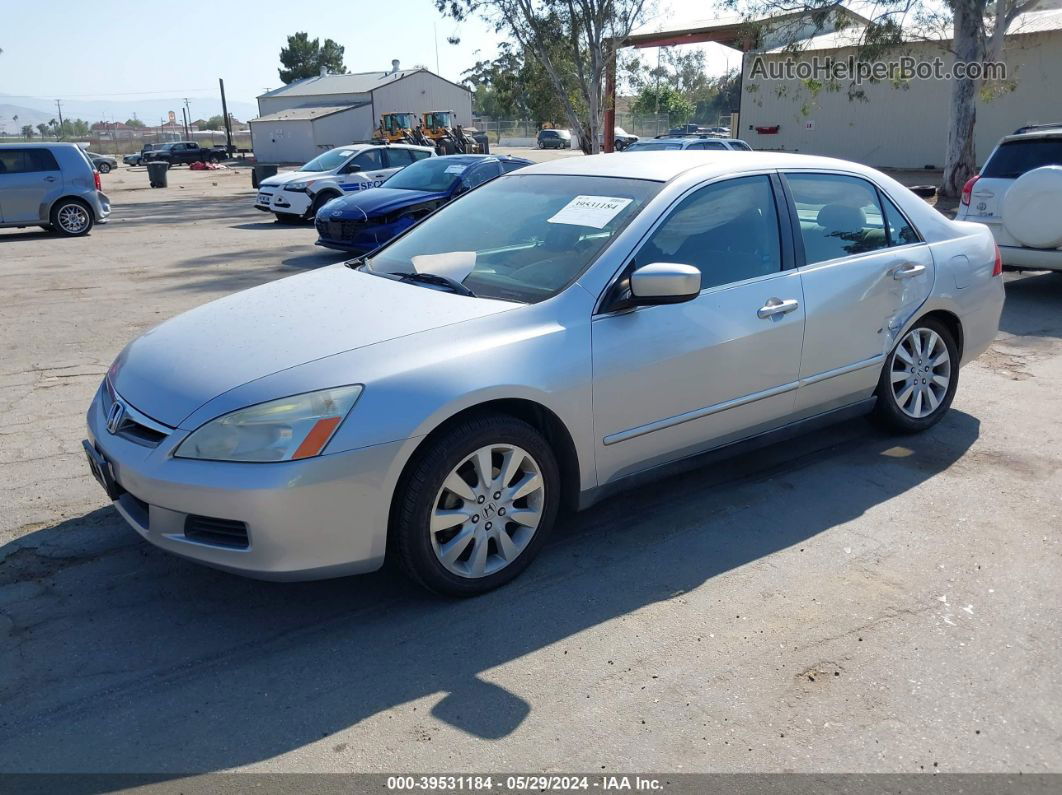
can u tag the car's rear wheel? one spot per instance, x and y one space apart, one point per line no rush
474 508
71 217
104 168
918 382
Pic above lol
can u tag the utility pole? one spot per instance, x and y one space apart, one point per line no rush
187 131
188 108
228 121
59 104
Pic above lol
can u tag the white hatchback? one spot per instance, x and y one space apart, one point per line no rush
298 195
1017 196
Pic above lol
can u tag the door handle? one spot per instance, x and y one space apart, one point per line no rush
907 271
49 179
776 306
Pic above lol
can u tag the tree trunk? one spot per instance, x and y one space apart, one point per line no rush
960 158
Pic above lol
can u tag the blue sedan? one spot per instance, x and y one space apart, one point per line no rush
363 221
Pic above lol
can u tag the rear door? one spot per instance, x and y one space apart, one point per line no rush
395 159
27 177
865 272
671 380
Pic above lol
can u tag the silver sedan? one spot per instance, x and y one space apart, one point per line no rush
553 335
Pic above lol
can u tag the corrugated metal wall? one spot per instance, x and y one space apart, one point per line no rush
343 128
267 105
901 127
423 92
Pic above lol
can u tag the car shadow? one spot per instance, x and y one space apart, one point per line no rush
1032 308
120 657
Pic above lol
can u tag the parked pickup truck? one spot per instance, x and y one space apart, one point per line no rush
187 152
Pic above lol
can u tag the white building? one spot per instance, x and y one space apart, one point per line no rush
901 126
299 121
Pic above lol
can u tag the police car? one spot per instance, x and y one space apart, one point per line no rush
297 195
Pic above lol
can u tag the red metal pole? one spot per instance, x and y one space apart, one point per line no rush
610 98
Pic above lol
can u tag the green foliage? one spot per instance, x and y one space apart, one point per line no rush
664 99
27 130
216 122
135 123
304 58
516 86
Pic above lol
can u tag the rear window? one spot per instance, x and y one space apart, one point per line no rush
1014 158
652 147
22 161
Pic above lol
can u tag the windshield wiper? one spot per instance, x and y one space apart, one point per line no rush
436 279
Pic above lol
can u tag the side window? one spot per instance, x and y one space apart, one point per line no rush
480 174
509 166
728 230
369 160
13 161
741 146
41 160
418 154
399 158
900 232
839 216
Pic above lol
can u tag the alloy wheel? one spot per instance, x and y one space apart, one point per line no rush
921 373
487 511
73 218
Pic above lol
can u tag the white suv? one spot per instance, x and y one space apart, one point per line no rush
298 195
1017 196
694 142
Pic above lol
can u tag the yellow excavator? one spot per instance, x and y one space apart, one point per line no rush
448 137
401 128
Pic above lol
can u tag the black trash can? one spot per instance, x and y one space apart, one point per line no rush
157 173
260 172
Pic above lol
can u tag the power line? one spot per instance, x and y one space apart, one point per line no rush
117 94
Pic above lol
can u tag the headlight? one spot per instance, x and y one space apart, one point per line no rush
282 430
300 186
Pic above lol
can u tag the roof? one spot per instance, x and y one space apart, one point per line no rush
664 166
355 83
1044 21
307 113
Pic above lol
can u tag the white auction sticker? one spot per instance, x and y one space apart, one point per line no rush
454 169
595 211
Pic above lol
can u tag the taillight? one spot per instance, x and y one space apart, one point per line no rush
997 269
96 179
967 190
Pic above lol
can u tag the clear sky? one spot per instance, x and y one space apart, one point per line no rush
107 49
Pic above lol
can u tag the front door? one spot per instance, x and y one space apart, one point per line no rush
672 380
866 272
27 177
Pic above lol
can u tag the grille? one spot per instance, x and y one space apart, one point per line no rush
343 230
218 532
132 429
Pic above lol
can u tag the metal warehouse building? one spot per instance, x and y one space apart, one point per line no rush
905 126
300 120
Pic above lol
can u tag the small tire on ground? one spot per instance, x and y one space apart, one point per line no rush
68 231
887 412
409 536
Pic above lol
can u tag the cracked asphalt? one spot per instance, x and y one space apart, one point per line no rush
846 602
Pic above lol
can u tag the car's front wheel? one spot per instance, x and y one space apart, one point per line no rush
918 382
474 508
71 218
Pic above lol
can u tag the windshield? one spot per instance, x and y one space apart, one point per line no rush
652 146
1014 158
433 174
331 159
521 237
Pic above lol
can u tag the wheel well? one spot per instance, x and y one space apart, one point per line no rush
71 198
951 322
534 414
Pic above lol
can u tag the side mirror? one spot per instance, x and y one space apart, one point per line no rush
664 283
351 168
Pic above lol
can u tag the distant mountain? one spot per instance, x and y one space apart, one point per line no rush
34 110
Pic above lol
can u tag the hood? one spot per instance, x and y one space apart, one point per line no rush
294 176
378 201
178 366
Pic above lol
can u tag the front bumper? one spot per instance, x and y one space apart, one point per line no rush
311 519
272 199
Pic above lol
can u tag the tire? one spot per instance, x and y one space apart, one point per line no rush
423 492
104 168
71 218
905 411
541 145
320 201
288 218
